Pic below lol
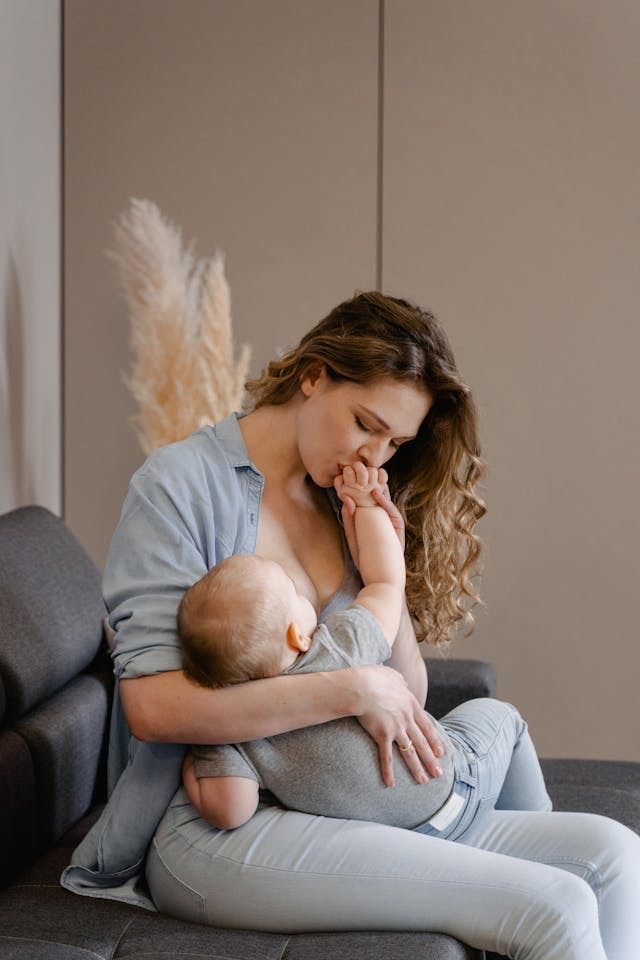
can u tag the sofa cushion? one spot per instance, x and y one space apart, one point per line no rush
607 787
371 946
452 682
43 922
17 806
65 736
50 600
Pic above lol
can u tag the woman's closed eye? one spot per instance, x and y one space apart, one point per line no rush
365 429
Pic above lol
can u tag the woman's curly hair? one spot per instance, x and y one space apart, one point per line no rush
432 479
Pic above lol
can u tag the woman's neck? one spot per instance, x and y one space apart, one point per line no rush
270 437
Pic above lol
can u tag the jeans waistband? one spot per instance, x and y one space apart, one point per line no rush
464 761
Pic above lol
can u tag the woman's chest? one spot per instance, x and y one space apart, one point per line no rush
305 539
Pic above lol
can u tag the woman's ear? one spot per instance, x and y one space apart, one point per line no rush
296 640
311 378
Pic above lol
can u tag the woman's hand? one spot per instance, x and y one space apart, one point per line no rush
390 714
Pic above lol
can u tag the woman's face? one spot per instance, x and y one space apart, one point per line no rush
342 422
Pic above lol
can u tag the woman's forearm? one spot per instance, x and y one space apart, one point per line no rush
407 659
167 707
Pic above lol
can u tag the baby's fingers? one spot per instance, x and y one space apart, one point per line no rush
361 474
349 474
381 480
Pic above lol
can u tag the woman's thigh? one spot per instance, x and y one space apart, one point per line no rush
498 740
602 852
287 871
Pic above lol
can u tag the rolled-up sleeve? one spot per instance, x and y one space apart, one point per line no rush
350 638
222 760
167 538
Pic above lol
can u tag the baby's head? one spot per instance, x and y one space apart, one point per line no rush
243 620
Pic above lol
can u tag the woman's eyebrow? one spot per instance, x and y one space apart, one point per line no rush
385 426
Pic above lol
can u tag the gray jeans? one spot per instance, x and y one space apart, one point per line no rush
507 875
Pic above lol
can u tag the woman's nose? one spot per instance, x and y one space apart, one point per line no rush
373 453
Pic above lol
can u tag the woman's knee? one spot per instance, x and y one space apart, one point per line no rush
486 712
561 919
614 852
485 721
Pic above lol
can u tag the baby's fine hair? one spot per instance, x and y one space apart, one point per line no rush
231 628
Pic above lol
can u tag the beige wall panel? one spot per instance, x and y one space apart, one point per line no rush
512 208
254 127
30 382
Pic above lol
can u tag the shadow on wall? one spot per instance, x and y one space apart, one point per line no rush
17 479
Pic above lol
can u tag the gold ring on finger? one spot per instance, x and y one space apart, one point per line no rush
409 746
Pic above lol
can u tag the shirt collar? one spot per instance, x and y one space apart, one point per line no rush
229 433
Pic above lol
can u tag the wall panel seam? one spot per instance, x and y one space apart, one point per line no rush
62 297
380 152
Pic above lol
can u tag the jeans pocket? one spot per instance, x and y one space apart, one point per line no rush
474 814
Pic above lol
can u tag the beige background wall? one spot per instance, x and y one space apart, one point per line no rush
30 246
510 206
254 127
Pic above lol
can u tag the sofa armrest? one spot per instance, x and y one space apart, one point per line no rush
451 682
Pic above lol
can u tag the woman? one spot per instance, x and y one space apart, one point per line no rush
375 381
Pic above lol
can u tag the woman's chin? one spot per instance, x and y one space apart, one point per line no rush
324 483
321 480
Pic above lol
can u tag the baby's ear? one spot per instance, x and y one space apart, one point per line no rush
296 640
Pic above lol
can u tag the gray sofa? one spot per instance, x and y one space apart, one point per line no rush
55 692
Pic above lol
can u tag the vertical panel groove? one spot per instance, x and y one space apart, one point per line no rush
380 172
62 337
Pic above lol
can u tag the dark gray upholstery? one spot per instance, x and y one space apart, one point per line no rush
18 823
47 636
454 681
65 737
607 787
55 690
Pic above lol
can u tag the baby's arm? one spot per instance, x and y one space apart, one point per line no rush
380 554
224 802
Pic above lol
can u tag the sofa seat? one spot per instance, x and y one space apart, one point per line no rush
608 787
41 921
55 691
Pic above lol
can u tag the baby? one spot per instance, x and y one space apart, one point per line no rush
245 620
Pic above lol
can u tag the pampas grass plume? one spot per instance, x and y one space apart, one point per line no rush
183 373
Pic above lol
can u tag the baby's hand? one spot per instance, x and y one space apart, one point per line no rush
358 482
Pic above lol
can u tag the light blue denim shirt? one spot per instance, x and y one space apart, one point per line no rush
191 505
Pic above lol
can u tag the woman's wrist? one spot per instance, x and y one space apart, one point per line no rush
364 687
347 691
